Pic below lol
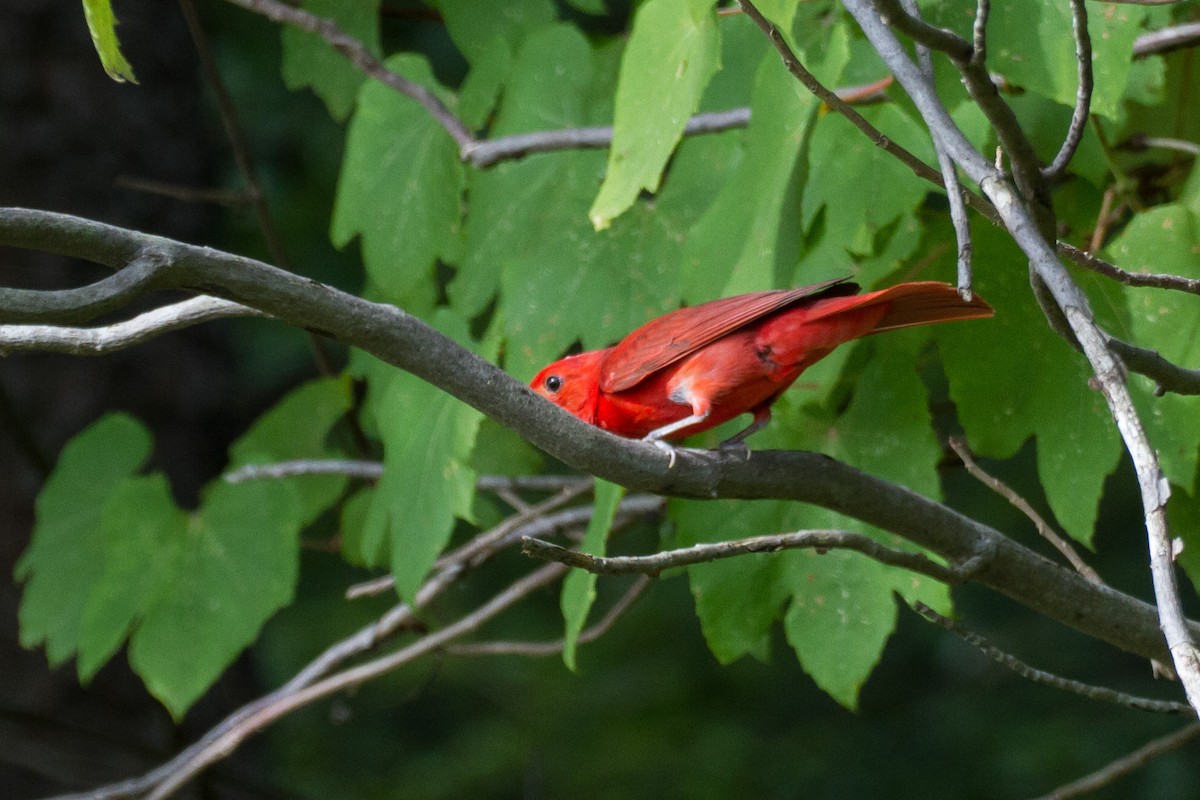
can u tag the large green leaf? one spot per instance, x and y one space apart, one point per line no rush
308 61
579 588
400 187
236 564
66 556
1012 378
113 557
143 534
516 203
673 51
427 483
102 25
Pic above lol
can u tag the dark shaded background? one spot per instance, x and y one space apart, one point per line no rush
651 715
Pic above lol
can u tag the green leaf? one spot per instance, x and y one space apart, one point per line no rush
842 614
517 203
237 564
475 24
296 428
673 51
143 533
482 87
102 25
737 599
428 437
400 186
309 62
65 559
733 247
1031 383
579 588
1165 239
841 156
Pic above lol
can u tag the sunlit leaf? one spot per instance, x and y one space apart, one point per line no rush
668 79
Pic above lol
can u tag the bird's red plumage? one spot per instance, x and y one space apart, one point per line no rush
716 361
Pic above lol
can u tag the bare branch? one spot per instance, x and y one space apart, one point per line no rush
188 194
820 540
1083 93
1004 490
1013 663
1139 142
1115 770
1168 376
946 41
536 521
1173 38
402 340
1153 280
485 153
110 338
958 209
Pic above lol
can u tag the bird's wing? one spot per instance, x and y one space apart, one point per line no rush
666 339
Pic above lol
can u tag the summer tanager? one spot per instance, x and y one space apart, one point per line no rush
694 368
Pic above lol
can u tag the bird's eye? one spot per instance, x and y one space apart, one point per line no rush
553 383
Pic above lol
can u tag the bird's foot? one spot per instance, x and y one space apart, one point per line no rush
666 447
735 446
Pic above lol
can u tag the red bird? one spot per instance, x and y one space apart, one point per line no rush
694 368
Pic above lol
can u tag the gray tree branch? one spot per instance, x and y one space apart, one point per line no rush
405 342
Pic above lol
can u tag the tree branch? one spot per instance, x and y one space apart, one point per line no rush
1083 94
1021 504
1168 376
1167 39
1151 280
405 342
1123 766
110 338
657 563
1102 693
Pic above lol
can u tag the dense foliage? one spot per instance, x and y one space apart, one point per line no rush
522 260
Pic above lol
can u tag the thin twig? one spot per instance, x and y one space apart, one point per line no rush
363 60
1121 767
819 540
537 521
1140 141
188 194
1167 376
1153 280
1036 675
1004 490
1083 93
1167 39
106 339
542 649
958 209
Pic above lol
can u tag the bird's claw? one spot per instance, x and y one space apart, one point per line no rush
667 448
737 447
